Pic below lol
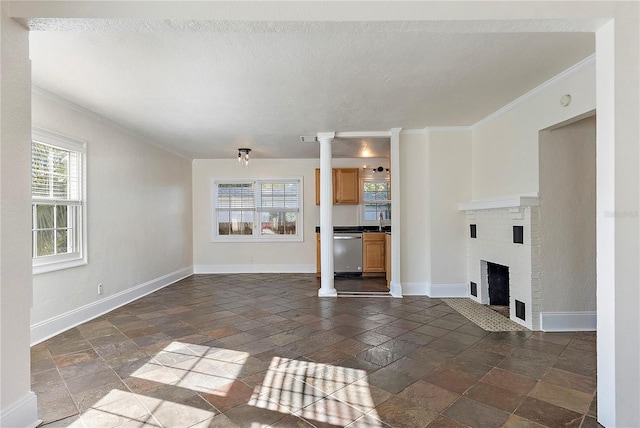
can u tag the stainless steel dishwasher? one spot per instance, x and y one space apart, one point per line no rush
347 253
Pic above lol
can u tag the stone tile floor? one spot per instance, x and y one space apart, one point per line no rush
262 350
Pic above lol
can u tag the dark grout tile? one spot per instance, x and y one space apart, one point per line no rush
495 397
451 379
524 368
570 380
78 384
68 346
214 343
41 365
390 380
544 346
400 412
547 414
83 367
74 358
444 422
246 416
429 395
516 383
562 397
475 414
372 338
413 368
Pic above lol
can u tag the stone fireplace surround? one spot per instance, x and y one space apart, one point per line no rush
494 221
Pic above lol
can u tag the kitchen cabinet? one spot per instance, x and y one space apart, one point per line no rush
387 259
346 186
373 246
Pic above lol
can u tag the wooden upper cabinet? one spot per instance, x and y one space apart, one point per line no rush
373 253
346 186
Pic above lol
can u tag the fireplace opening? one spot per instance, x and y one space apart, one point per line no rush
498 280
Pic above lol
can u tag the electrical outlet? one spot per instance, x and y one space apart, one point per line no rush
100 289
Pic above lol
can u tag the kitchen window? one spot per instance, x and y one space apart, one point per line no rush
376 196
57 201
257 210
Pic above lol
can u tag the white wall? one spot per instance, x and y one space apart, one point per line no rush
568 217
505 146
138 213
252 256
435 167
18 406
415 262
450 183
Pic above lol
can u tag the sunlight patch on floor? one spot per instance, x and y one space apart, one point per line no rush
318 392
199 370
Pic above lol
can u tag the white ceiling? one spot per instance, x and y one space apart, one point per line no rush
204 89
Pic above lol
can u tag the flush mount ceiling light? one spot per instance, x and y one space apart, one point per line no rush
243 157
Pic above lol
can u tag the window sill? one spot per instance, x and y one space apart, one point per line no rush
57 265
252 239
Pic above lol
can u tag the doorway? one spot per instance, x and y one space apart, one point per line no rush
567 177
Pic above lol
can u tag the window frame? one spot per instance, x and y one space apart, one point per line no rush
257 210
363 181
50 263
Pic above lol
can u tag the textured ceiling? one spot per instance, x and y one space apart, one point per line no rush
203 89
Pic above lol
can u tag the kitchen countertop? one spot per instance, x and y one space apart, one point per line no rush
356 229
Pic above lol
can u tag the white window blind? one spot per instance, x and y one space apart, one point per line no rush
235 206
55 173
279 205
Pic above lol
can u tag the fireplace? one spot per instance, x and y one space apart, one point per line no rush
503 257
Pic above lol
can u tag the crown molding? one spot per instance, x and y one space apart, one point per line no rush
421 131
363 134
535 91
93 115
448 129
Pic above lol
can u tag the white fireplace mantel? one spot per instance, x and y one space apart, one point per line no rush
513 201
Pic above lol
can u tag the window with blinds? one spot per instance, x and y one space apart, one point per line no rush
57 195
236 208
257 210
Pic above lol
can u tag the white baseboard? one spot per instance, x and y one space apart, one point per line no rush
45 329
415 288
443 291
254 268
395 289
568 321
22 414
437 291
